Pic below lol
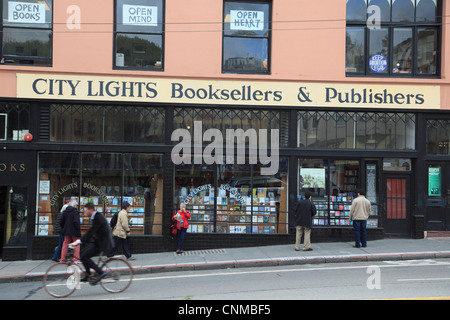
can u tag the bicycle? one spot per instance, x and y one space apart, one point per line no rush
63 278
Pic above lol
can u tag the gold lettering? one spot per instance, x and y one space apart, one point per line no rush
13 167
2 167
22 167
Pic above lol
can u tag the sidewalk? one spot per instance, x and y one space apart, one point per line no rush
279 255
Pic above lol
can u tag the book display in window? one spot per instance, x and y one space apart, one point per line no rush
136 215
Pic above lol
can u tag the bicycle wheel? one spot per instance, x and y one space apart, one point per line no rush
62 279
119 277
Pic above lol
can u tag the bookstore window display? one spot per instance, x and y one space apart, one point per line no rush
332 184
106 180
243 201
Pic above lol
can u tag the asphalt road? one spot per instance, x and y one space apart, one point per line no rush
423 279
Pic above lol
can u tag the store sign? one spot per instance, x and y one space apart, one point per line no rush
434 182
24 12
246 20
139 15
225 92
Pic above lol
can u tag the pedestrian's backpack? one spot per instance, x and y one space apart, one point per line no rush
113 221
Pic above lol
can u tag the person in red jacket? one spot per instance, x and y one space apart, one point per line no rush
181 217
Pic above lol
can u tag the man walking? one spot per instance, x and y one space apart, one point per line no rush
121 231
359 213
304 211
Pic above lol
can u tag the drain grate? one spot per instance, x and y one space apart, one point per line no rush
201 252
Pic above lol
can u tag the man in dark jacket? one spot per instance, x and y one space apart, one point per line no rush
304 211
100 232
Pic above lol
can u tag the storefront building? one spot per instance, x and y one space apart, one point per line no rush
236 109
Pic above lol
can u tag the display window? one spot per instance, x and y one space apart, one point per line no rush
233 198
333 185
105 179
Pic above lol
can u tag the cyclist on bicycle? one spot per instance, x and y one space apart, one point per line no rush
100 232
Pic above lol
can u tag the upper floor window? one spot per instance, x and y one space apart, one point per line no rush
393 38
27 31
246 37
138 35
14 120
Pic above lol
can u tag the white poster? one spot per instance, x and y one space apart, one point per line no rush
139 15
44 187
23 12
312 178
246 20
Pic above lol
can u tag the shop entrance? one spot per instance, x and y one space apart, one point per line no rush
438 197
3 201
13 217
397 209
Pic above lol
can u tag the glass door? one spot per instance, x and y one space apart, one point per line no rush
15 212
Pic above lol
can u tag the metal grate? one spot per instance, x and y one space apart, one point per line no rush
201 252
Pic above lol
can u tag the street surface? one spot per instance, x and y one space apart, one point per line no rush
407 279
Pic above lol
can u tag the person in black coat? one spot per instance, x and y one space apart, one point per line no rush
100 233
304 211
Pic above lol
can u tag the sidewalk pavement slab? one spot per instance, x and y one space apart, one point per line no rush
276 255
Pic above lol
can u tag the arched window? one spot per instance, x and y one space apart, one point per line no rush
385 8
356 10
426 11
405 43
402 10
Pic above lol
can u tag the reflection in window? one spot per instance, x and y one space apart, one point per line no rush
356 10
139 34
426 11
384 6
438 137
355 50
246 37
245 55
402 50
351 130
16 118
403 10
27 36
379 45
92 123
395 42
427 51
141 51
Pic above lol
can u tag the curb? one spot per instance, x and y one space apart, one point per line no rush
270 262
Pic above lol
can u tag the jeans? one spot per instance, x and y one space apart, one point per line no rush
359 228
58 248
180 238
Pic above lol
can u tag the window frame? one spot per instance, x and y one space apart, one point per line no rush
391 26
268 38
162 34
28 58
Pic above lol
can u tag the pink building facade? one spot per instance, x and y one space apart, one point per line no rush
92 94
